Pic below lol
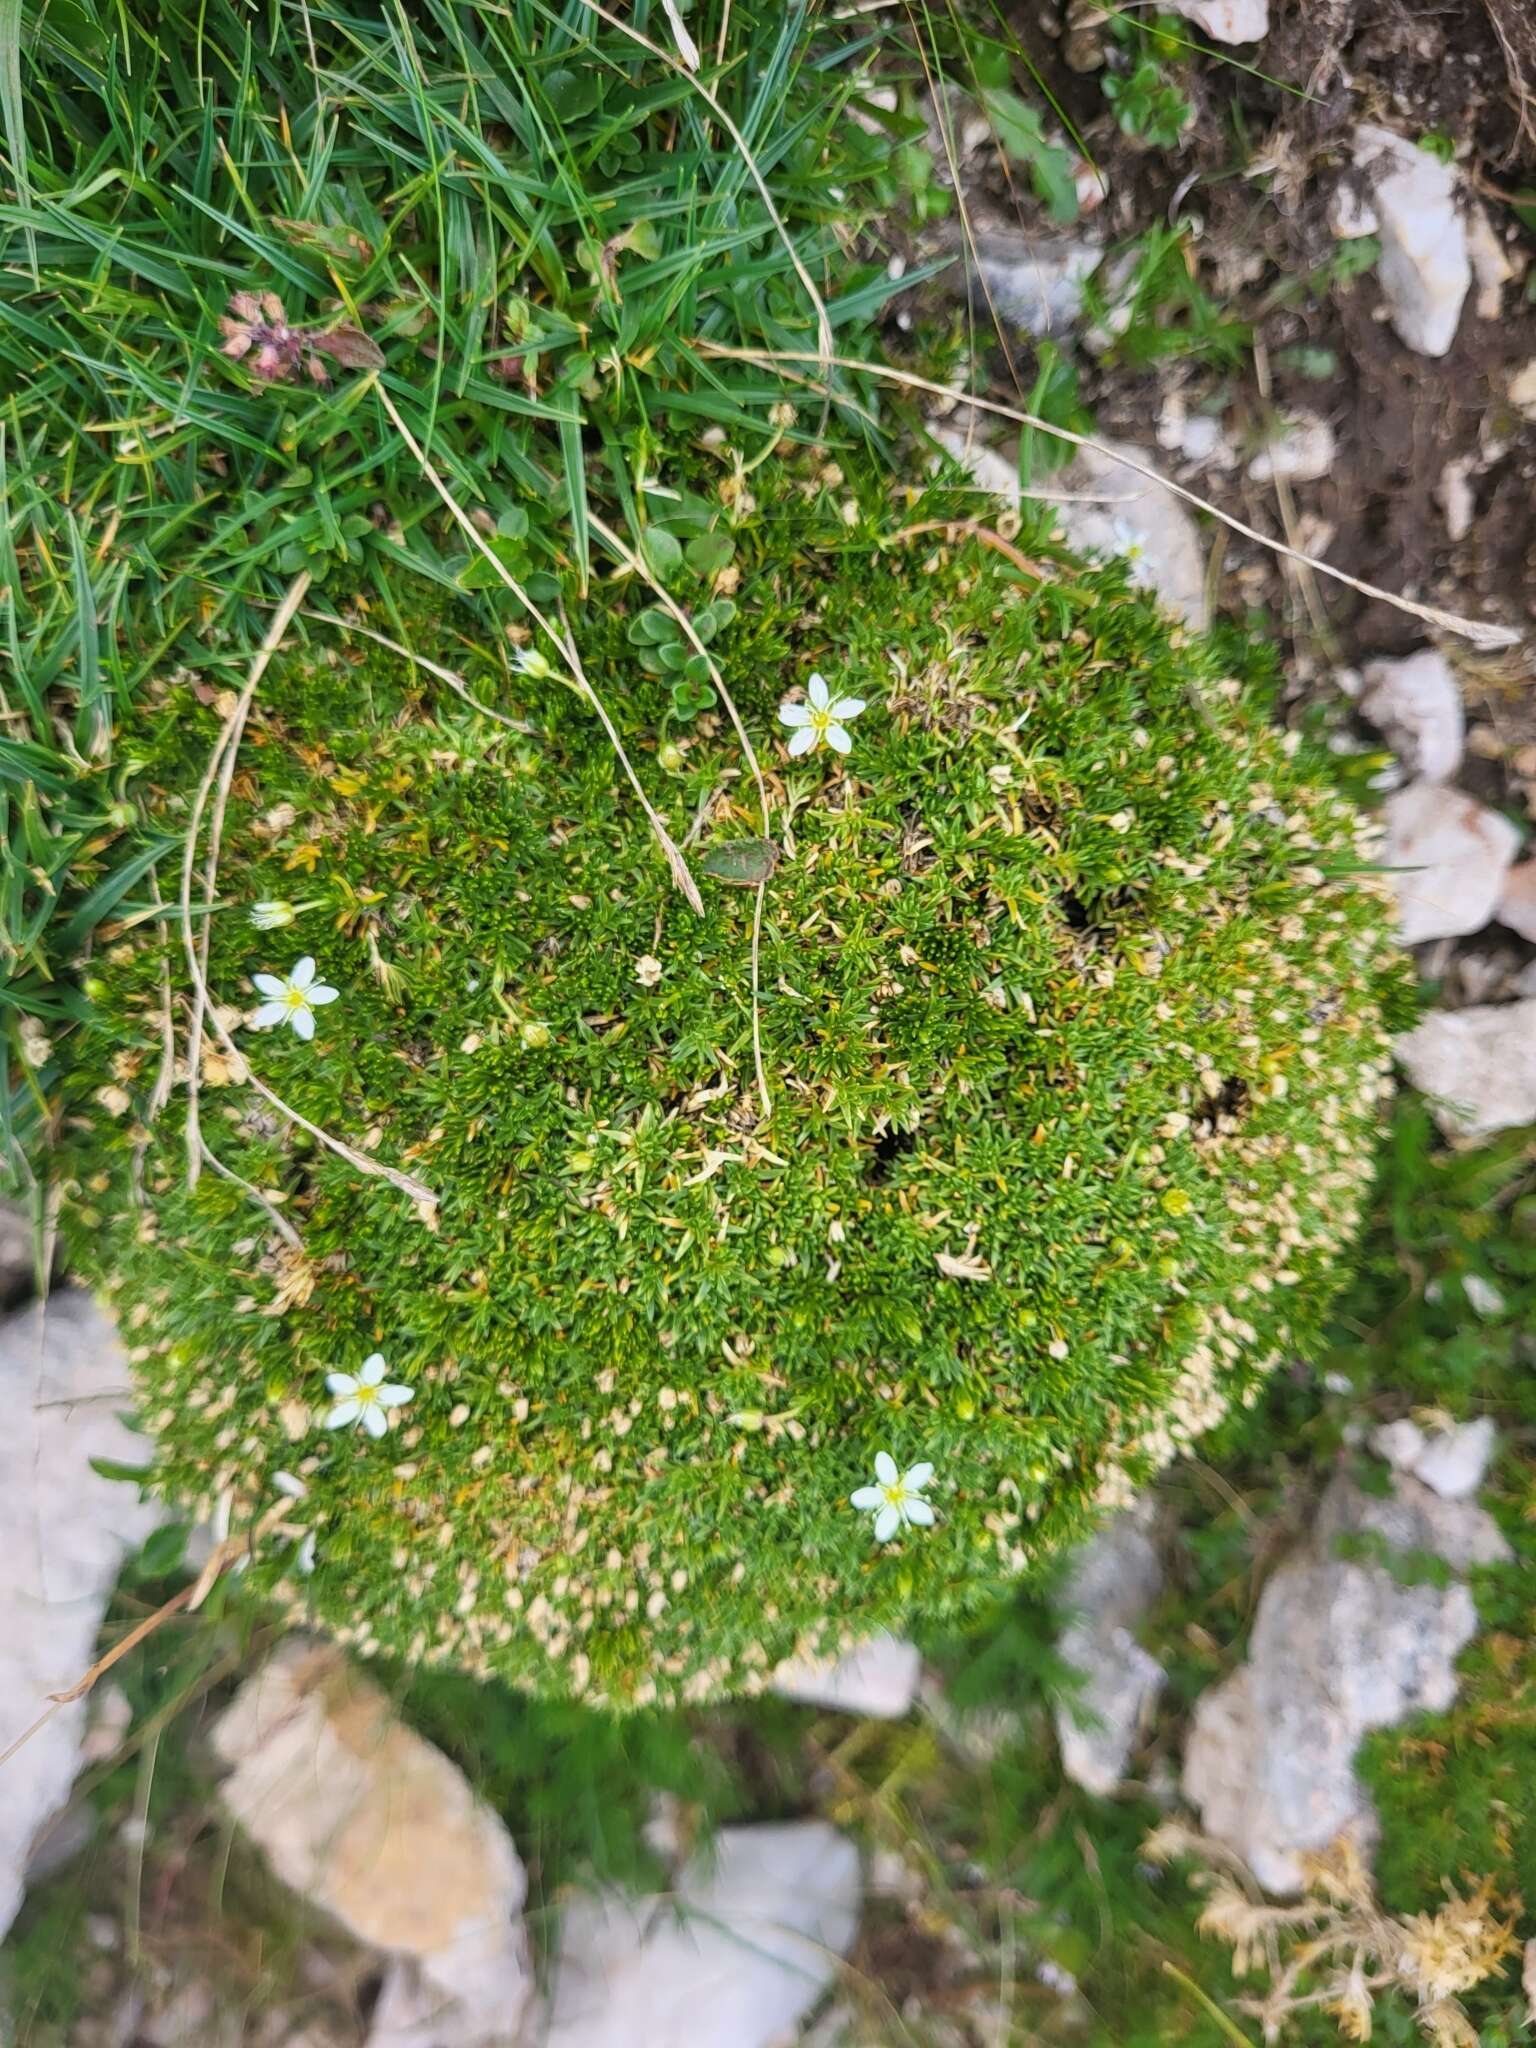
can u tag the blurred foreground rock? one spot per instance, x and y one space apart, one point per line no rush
1477 1066
1341 1644
1112 1582
734 1957
64 1535
374 1825
878 1680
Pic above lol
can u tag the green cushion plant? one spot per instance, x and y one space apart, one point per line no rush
1070 998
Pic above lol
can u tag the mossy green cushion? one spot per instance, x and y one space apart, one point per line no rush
1071 984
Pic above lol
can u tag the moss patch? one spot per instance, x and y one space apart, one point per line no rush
1070 1015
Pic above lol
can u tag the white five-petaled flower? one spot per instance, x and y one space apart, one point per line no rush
896 1498
821 717
272 914
364 1397
292 999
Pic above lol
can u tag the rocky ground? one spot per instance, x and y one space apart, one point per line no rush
1311 308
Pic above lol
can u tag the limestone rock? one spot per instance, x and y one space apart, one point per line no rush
1302 451
878 1679
1522 390
1416 704
1228 21
1339 1646
1454 1461
1450 855
1477 1066
1425 268
737 1954
1517 905
1110 1584
380 1830
1034 282
64 1534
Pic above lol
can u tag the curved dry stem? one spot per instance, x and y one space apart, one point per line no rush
221 767
561 641
1481 632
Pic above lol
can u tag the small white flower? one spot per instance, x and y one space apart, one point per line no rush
529 662
821 717
648 970
292 999
895 1500
271 914
365 1397
1130 544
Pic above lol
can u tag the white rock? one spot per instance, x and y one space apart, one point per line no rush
1110 1583
1401 1443
1522 390
735 1957
1204 441
878 1679
1103 508
1455 495
1301 452
1416 704
1477 1066
1339 1646
1517 905
1035 282
64 1534
1425 268
1491 267
1351 213
1484 1298
1449 855
378 1828
1229 21
1454 1461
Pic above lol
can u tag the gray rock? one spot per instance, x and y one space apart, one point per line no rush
735 1957
64 1534
1517 904
1111 1583
1302 451
877 1679
1477 1066
1034 282
1425 268
1450 855
1339 1646
1416 704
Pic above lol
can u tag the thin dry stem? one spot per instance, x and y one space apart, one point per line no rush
1480 632
563 644
221 768
456 683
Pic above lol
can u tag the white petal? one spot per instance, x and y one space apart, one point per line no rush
270 1014
918 1511
816 689
304 1023
270 984
885 1468
847 707
794 714
341 1383
374 1419
305 1561
887 1522
866 1498
373 1369
286 1483
322 992
393 1395
344 1411
917 1478
303 972
838 738
802 741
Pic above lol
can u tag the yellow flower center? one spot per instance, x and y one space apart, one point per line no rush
895 1494
296 999
820 720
